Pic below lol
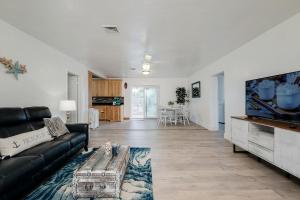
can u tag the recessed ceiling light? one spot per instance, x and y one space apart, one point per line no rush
148 57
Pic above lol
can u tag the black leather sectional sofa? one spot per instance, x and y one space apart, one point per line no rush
22 172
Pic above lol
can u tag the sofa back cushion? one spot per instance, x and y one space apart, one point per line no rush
11 146
13 121
36 115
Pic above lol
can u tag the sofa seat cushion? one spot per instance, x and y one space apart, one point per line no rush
49 151
75 138
17 169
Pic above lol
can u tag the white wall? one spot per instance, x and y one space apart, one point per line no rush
274 52
45 84
167 88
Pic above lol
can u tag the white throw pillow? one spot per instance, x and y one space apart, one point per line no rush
11 146
56 126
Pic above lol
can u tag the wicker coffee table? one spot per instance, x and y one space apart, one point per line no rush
102 174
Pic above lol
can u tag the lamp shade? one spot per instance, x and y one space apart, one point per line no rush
148 57
67 105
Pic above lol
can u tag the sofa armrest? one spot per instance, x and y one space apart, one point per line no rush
80 128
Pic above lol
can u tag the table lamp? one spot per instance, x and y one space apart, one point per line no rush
67 106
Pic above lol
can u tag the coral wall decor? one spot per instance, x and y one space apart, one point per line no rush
13 68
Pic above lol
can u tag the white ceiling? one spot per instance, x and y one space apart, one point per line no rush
181 35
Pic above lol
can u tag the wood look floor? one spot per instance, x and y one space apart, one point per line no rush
193 163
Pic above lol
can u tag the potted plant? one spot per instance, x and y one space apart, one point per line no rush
171 103
181 95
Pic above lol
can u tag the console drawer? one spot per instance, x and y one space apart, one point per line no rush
263 139
239 125
261 152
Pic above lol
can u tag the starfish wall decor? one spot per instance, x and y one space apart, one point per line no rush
13 68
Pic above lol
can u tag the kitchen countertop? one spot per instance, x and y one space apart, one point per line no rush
103 104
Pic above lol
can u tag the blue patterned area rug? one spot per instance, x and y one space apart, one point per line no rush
137 183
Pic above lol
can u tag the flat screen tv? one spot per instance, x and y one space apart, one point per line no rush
276 97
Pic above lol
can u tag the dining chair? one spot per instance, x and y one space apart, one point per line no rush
183 115
163 116
172 116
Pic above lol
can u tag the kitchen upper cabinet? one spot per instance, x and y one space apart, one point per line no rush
103 88
94 88
115 89
107 88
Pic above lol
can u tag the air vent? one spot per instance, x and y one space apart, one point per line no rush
111 28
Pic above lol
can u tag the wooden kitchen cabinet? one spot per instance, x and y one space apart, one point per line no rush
116 113
102 112
93 88
110 113
102 88
107 88
115 89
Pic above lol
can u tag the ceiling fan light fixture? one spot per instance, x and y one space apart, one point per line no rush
146 67
148 57
146 72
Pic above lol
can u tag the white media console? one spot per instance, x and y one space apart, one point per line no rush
274 142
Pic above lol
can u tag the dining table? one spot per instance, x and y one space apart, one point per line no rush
174 110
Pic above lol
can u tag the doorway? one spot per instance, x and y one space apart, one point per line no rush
217 103
73 95
144 102
221 104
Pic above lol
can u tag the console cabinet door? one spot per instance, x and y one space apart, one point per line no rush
239 133
287 151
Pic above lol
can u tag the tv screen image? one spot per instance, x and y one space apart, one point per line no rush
276 97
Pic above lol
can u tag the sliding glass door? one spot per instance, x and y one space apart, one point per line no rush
151 102
144 102
137 102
